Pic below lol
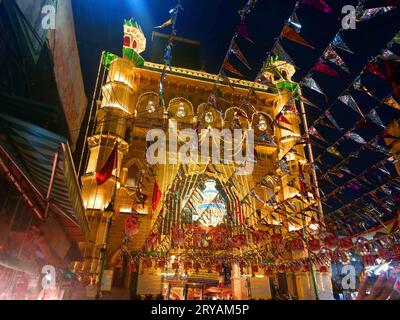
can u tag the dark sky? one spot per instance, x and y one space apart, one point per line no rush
212 22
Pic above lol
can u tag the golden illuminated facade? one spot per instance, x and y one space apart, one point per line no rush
128 106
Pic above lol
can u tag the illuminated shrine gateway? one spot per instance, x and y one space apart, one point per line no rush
177 206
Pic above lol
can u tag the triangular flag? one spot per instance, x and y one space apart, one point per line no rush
355 137
236 51
282 54
348 100
331 55
312 84
165 24
308 102
231 68
292 35
373 12
396 40
374 117
323 68
333 150
156 196
316 134
389 55
294 22
339 43
280 117
329 116
106 171
374 69
243 31
319 5
392 103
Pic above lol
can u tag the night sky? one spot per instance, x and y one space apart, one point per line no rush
99 26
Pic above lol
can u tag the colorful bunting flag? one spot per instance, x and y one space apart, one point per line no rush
339 43
355 137
320 5
236 51
374 69
294 22
243 31
348 100
329 116
231 68
312 84
333 150
292 35
323 68
280 117
368 14
389 55
165 24
391 102
308 102
106 171
331 55
316 134
374 117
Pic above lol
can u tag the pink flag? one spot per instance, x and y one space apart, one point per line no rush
319 5
323 68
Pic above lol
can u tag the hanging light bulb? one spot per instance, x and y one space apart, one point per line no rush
150 107
181 111
209 117
262 124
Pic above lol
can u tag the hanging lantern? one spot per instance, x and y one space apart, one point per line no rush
276 241
306 267
330 241
384 253
346 243
314 245
323 269
296 245
151 107
296 266
262 124
239 241
181 110
131 226
209 118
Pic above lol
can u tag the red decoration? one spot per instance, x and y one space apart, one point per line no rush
396 250
197 266
239 241
106 171
218 268
330 241
296 245
323 269
131 226
254 268
187 265
133 267
368 260
296 267
219 238
118 262
314 245
269 272
160 264
307 267
346 243
199 236
282 268
156 196
153 240
384 253
147 263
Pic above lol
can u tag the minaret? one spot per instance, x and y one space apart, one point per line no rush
114 109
